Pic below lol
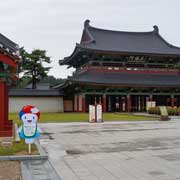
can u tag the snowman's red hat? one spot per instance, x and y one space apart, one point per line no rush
29 109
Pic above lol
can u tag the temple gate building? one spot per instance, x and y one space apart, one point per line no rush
9 61
122 71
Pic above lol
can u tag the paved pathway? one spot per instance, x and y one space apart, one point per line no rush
38 170
112 151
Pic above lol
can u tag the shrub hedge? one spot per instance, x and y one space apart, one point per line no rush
172 111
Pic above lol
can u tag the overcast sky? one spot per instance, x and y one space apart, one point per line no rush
56 25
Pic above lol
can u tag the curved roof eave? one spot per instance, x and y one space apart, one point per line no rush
135 43
125 52
123 85
67 59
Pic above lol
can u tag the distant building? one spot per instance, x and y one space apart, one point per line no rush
47 100
39 86
122 71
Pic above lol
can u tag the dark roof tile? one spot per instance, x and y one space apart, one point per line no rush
127 79
9 46
121 41
34 93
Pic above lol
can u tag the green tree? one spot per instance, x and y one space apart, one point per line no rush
52 80
177 65
33 67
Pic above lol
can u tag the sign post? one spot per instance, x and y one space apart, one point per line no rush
150 104
95 113
92 117
99 113
164 113
29 148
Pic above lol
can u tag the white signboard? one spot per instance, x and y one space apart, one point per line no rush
153 103
163 110
92 117
99 113
150 104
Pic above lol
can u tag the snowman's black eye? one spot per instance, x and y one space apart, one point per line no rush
25 117
33 117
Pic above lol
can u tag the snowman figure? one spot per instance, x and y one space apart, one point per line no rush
29 130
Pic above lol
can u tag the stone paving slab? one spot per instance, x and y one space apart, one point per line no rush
113 151
38 170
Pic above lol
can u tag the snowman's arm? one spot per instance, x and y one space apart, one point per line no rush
19 129
39 129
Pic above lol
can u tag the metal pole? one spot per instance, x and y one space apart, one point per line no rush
29 148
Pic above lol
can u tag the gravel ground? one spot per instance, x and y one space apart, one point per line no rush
10 170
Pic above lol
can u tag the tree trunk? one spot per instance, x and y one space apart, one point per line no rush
33 82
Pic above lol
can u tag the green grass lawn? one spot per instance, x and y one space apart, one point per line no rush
83 117
18 148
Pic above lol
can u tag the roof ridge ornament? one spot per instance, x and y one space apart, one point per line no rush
156 29
87 37
86 23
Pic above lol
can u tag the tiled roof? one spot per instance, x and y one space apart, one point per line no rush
102 40
34 93
8 46
127 79
121 41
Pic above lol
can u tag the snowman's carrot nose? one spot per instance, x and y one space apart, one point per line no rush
29 121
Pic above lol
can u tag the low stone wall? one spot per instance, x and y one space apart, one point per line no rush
44 104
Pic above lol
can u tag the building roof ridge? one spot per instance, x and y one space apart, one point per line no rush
125 32
89 27
155 31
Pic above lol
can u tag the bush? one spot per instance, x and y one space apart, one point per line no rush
154 110
172 111
178 111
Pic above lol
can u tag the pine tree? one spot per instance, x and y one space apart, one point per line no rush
33 65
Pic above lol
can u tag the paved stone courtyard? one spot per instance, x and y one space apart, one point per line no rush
114 150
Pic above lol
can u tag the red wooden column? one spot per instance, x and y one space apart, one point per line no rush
150 98
5 124
104 102
128 103
75 103
83 103
3 109
172 101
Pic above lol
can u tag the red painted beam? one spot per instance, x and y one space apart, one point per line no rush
8 60
138 71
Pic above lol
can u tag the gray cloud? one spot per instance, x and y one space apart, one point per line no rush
56 25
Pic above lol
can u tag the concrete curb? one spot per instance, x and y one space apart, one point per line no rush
27 170
23 157
43 155
40 148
